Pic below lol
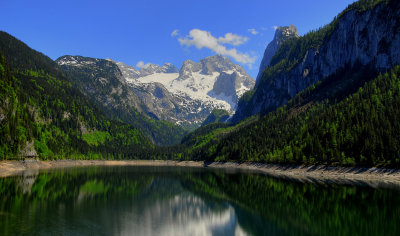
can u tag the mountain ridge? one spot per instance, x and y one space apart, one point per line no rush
189 96
102 81
347 118
282 34
43 115
300 62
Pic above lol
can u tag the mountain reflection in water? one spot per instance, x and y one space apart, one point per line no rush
188 201
181 215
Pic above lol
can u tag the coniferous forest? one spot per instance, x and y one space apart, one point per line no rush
362 128
349 118
40 110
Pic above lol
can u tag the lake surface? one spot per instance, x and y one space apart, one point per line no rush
189 201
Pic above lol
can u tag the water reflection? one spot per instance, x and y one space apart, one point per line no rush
181 215
184 201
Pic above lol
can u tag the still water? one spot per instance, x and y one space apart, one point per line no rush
189 201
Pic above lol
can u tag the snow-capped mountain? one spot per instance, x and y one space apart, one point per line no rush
187 97
102 82
148 69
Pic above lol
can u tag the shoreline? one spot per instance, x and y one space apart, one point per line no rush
373 176
322 174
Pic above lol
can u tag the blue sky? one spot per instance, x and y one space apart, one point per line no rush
140 32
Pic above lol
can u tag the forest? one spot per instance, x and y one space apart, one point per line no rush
349 118
360 129
41 110
354 125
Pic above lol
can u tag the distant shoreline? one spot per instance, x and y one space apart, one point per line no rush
320 174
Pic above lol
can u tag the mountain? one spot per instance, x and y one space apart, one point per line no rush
349 117
151 97
43 114
329 97
188 97
101 80
281 34
361 129
148 69
365 34
103 83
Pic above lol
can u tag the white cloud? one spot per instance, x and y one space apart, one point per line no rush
175 33
141 65
253 31
202 38
233 39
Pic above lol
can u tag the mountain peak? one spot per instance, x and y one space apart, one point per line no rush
168 68
216 63
66 60
217 57
128 71
188 67
188 62
148 69
189 97
282 34
286 32
76 60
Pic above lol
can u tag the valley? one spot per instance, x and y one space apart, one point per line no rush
154 118
320 98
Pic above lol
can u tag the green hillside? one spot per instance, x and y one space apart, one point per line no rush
362 129
41 114
217 115
123 105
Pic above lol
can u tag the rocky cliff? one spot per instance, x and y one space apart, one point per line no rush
366 33
187 97
103 83
281 34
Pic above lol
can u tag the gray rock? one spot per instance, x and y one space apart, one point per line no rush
188 68
149 69
281 34
369 37
128 71
102 81
231 81
168 68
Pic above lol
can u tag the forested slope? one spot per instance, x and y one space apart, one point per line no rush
365 33
103 84
362 129
41 114
320 100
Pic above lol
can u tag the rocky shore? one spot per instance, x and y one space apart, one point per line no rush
374 177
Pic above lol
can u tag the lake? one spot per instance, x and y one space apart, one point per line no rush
189 201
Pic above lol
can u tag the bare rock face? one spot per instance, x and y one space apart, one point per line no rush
132 72
102 81
128 71
167 68
186 97
29 150
281 34
164 105
370 37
